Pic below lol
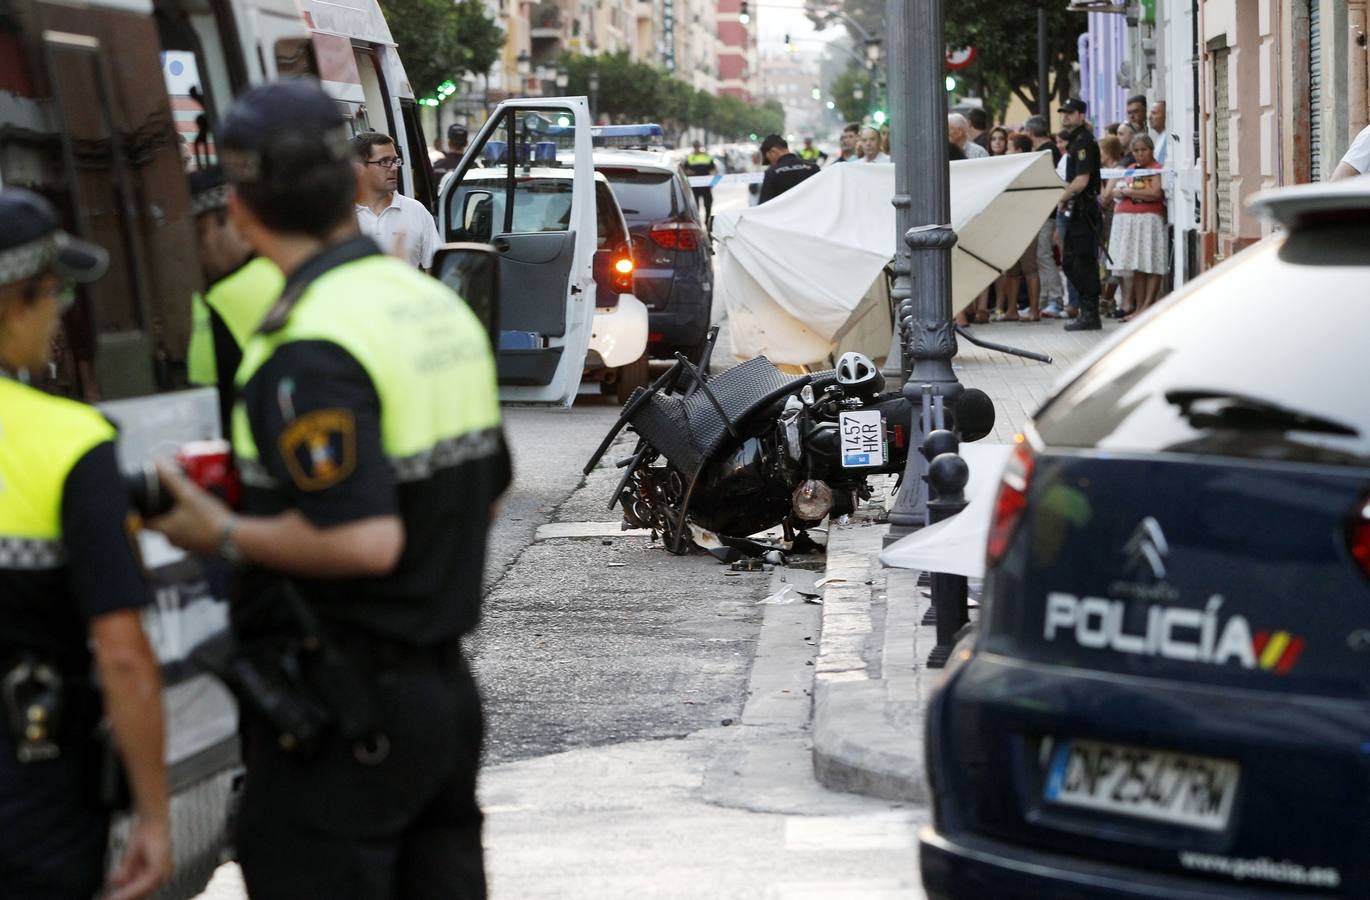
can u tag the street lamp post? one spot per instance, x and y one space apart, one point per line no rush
594 96
924 237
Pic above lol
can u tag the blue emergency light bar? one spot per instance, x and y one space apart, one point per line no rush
626 136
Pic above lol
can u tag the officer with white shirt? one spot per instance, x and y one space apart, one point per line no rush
401 225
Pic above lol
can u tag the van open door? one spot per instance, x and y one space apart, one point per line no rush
526 186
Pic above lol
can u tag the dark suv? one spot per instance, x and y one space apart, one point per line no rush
674 275
1169 691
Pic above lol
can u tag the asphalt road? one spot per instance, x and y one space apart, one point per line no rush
648 719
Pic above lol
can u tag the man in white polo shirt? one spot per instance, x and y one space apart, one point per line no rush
401 225
1357 158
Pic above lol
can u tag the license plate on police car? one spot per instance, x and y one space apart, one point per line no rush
1196 791
863 438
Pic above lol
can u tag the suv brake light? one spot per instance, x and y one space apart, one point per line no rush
676 235
1011 499
1358 534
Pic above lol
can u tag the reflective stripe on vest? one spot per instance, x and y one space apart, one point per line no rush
42 438
242 300
426 353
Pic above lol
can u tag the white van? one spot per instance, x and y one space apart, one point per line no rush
360 68
566 312
94 100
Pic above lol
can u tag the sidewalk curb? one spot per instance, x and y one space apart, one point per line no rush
867 707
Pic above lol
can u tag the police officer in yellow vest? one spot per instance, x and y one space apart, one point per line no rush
369 443
701 163
810 153
69 585
240 288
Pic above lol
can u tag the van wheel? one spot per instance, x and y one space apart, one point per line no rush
630 378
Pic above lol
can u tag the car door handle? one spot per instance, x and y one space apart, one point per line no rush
500 244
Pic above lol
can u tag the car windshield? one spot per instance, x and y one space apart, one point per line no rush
540 204
644 195
1262 359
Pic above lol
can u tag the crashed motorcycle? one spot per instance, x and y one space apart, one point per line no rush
753 448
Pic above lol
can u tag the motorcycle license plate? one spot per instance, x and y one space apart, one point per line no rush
1196 791
863 438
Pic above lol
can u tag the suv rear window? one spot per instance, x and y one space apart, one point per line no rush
1279 331
644 195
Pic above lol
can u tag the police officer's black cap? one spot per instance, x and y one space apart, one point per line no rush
279 128
31 242
456 133
1074 105
208 190
771 142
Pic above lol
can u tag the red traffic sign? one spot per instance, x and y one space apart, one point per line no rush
960 57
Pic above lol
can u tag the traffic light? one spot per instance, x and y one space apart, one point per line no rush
878 117
951 83
744 14
816 93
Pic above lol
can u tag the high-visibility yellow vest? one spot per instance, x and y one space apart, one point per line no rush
698 159
42 437
426 353
810 153
242 300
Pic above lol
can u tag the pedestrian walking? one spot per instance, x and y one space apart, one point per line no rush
239 289
1137 243
71 593
700 163
401 225
457 138
1080 247
369 443
784 169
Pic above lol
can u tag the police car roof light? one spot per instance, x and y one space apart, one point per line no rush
643 135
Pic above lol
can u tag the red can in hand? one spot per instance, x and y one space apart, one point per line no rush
210 465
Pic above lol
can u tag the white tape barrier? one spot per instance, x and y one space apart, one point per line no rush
1110 174
710 181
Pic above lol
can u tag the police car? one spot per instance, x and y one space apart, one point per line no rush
566 310
1169 691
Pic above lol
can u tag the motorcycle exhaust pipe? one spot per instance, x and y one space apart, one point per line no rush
812 500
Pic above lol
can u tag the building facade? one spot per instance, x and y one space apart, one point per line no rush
1258 94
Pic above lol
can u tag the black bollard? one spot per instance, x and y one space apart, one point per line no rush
947 476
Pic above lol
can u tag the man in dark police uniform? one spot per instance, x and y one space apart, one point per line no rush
1081 204
786 169
368 439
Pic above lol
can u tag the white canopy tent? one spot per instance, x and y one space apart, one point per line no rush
793 272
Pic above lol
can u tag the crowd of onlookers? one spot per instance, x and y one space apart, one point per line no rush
1134 243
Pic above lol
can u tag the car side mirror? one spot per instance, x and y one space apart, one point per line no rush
472 271
477 220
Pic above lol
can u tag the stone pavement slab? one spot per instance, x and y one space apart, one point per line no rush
870 681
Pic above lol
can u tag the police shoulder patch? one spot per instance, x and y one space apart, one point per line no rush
320 448
1083 154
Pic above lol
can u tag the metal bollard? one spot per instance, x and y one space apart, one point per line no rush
947 477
